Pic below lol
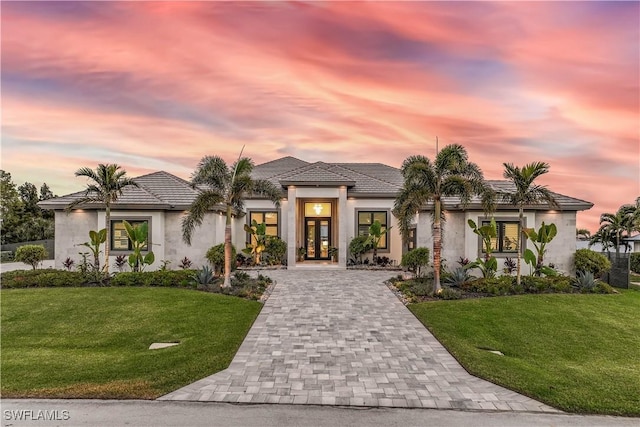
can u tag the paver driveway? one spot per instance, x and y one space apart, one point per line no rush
343 338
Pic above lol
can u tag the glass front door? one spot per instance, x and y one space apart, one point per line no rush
318 238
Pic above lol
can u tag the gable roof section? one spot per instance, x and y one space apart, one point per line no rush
158 190
362 179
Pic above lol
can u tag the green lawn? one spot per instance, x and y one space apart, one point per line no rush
579 353
93 342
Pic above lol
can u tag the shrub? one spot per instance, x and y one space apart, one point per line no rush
448 293
41 278
244 286
634 262
277 250
68 263
31 254
594 262
416 260
167 278
215 256
358 246
6 256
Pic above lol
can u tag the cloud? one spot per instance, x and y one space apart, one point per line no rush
157 85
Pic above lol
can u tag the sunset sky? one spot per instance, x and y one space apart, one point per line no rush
156 86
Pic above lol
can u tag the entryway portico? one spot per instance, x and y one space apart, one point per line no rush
317 213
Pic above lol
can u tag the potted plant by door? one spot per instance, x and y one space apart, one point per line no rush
333 253
301 253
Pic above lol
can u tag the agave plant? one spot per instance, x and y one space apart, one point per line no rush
203 276
458 277
585 280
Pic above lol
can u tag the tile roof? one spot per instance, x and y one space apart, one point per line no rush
361 178
157 190
162 190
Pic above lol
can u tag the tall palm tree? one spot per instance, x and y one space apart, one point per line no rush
227 186
450 175
106 184
526 192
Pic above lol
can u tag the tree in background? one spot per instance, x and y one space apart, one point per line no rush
22 219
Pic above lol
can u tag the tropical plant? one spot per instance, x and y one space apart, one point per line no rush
525 193
97 238
585 281
583 234
450 175
376 233
120 262
301 252
226 186
68 263
415 260
138 236
185 263
277 250
216 257
509 266
488 233
164 265
359 246
31 255
203 277
540 239
614 227
106 185
258 240
458 277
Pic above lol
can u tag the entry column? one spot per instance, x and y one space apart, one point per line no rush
291 226
342 227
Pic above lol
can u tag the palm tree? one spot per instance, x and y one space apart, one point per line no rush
526 193
583 234
450 175
227 186
106 185
612 227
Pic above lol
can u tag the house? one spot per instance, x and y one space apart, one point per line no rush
323 205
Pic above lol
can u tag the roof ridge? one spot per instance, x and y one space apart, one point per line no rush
341 165
282 158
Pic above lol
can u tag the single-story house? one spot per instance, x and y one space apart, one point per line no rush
323 205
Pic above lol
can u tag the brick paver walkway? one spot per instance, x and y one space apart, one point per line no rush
343 338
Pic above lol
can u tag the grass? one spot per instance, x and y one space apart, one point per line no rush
93 342
578 353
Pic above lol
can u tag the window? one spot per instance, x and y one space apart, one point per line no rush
507 240
119 239
269 218
366 218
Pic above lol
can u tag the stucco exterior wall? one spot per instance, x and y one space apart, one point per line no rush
72 229
203 237
562 248
459 240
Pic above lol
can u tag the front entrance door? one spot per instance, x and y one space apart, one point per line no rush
318 237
